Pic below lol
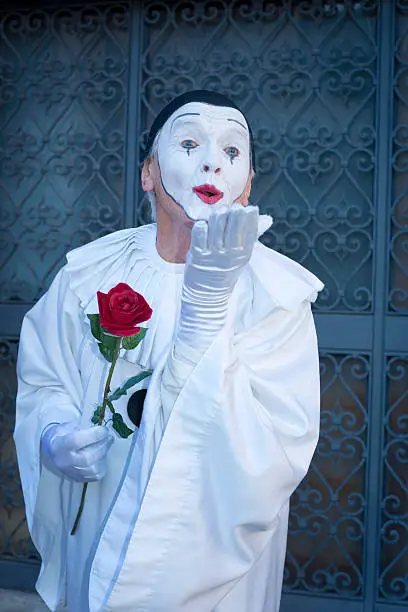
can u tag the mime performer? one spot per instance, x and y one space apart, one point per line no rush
190 512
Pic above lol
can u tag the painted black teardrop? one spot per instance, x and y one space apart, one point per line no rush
135 406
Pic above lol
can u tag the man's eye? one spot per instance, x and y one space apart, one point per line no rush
232 152
189 144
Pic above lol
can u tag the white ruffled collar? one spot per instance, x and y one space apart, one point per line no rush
130 255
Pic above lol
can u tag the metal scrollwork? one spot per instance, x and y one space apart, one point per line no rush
398 290
63 75
288 65
393 583
327 519
15 543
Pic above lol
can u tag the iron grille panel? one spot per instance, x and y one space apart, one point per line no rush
15 542
398 289
63 95
327 520
393 582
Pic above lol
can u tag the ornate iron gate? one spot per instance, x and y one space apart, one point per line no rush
325 86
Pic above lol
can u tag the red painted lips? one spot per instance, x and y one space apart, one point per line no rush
208 193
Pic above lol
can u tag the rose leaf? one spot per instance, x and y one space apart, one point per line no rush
131 342
107 339
95 326
107 345
120 427
96 415
131 382
107 352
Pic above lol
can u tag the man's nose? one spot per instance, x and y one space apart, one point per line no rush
208 167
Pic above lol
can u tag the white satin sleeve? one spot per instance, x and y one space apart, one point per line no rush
257 444
271 384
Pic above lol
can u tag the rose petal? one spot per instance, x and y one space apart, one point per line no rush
117 330
126 297
120 288
123 317
102 307
121 309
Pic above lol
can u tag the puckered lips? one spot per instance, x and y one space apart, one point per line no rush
208 193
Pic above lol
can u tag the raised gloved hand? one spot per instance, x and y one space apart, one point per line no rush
218 252
78 453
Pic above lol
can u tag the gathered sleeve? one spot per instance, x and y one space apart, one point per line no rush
49 391
266 412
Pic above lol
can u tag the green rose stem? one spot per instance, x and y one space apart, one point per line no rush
101 417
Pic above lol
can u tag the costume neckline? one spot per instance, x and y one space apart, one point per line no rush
154 256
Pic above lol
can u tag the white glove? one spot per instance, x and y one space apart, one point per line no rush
78 453
218 252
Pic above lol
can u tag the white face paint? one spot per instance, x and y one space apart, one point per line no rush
204 157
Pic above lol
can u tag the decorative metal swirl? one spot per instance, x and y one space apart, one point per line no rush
63 78
15 543
327 519
393 582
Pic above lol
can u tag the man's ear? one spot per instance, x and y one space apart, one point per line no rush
243 198
147 178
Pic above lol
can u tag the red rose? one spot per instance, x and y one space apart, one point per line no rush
121 309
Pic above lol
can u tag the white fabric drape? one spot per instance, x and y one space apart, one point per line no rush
192 515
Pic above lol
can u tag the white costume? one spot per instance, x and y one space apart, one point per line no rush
192 514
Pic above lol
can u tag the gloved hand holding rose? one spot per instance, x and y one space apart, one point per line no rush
80 453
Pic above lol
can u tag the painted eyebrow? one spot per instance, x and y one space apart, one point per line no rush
239 123
198 114
183 115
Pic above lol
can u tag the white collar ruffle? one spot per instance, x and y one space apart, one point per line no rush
130 256
103 263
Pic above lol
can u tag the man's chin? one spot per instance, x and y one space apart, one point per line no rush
199 211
